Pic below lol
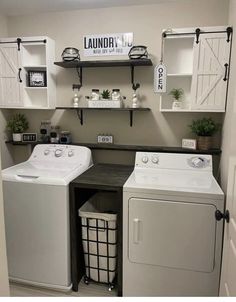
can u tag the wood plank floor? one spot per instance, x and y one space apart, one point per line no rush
91 290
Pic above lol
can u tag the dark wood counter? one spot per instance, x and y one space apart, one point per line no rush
100 177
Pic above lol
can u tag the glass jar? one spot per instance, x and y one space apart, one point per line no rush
55 134
116 96
95 95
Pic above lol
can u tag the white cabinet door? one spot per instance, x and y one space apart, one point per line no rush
228 276
209 83
10 73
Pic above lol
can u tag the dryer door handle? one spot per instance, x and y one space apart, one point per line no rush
136 233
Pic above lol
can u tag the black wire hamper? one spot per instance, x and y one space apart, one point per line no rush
99 237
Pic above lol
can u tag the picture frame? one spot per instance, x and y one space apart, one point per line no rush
37 78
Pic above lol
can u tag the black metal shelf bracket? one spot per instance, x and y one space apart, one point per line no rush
80 116
131 118
137 85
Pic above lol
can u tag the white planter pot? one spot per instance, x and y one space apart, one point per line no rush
16 137
177 105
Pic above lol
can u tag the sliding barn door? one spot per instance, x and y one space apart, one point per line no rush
10 76
210 72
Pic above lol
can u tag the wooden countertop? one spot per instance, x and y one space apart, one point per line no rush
104 175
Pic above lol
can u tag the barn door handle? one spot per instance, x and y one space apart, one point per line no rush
19 76
219 215
226 72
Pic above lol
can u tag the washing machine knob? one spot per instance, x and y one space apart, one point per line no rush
58 152
155 160
70 153
145 159
46 152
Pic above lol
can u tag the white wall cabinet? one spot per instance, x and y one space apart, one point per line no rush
32 54
198 65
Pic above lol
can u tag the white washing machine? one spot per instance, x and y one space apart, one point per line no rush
171 239
36 206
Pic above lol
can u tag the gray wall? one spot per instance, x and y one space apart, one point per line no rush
146 22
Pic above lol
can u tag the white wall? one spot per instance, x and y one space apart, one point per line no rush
4 284
229 130
146 22
4 114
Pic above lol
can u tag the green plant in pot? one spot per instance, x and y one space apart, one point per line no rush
106 94
17 124
177 94
204 129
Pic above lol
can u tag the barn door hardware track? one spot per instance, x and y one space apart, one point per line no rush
19 41
198 32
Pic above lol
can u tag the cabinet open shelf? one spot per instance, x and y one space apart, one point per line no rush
80 111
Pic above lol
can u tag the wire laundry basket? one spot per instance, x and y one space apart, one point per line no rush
99 237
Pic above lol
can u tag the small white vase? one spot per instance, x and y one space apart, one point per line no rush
16 137
177 105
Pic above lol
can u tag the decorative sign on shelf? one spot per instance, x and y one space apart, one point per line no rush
160 79
105 139
189 143
29 137
108 44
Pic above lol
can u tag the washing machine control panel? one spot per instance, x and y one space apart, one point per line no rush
176 161
60 153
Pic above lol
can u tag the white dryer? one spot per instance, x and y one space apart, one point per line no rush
36 206
171 239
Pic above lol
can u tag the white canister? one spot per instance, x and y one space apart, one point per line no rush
16 137
116 96
95 96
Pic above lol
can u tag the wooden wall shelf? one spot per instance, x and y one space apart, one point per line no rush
134 148
104 63
79 65
80 111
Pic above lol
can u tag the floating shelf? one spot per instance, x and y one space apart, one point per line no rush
81 109
161 149
105 63
79 65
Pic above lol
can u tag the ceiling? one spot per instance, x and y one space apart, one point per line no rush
24 7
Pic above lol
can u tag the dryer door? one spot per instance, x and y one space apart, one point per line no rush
172 234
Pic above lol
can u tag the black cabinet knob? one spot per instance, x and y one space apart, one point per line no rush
219 215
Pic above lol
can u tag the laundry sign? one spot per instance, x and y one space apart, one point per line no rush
108 44
160 79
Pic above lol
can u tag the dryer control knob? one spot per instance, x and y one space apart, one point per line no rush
155 160
46 152
58 152
145 159
70 153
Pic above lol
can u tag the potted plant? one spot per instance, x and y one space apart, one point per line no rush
204 128
106 94
17 124
177 94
